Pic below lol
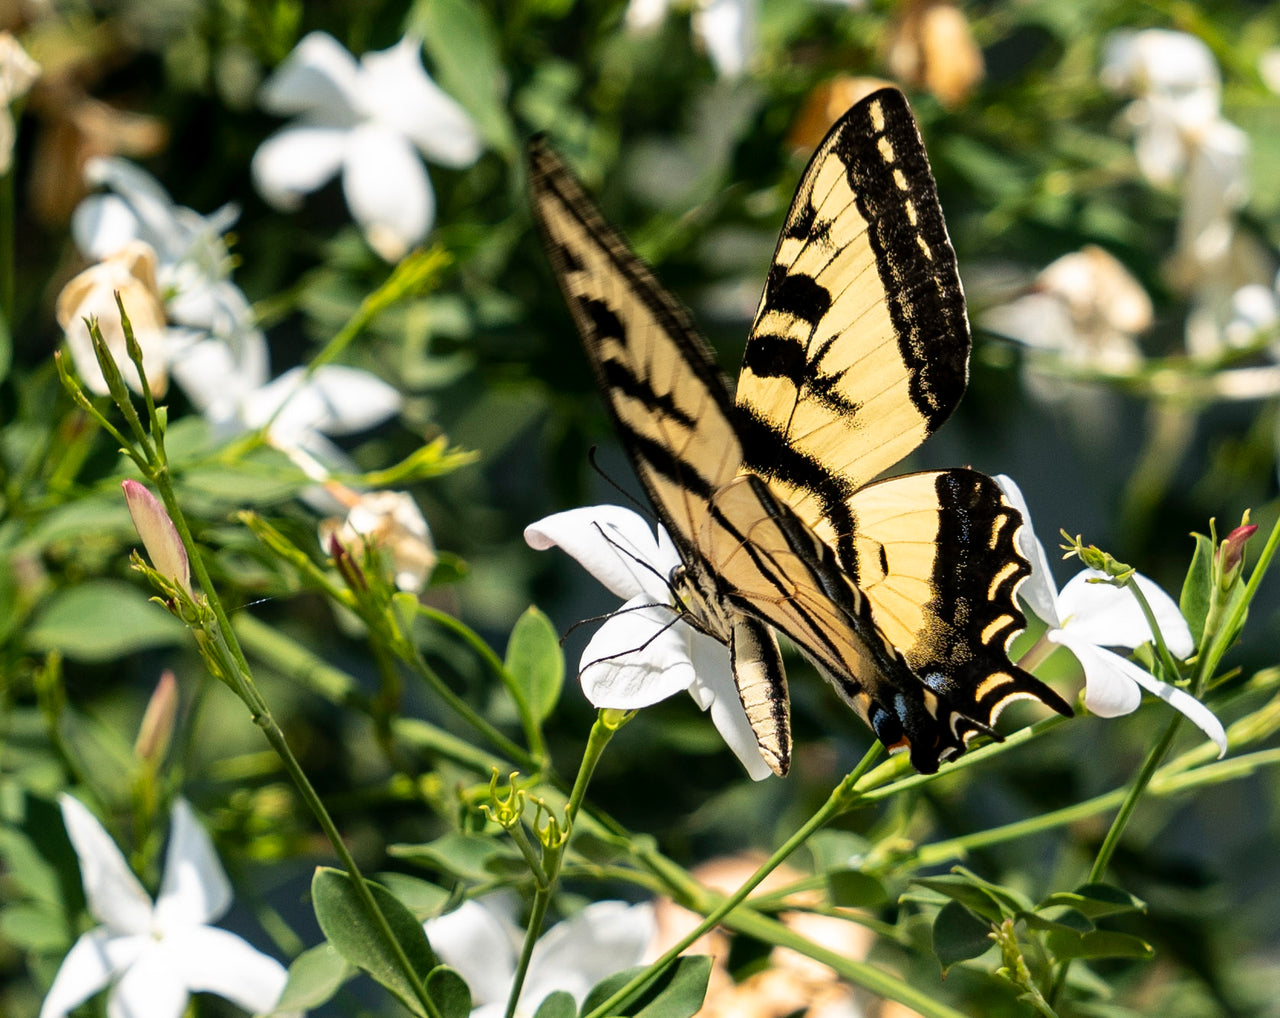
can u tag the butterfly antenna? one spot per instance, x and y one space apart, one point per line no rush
250 604
643 509
617 611
633 650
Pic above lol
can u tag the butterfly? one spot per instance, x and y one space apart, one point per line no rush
901 591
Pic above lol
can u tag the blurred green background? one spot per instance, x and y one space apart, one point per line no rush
1034 157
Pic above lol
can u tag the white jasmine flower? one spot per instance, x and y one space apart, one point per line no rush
193 265
1087 617
363 120
1086 307
18 72
644 652
482 944
131 273
155 955
390 521
232 388
727 29
1178 88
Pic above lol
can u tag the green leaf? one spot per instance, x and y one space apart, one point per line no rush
37 854
854 889
35 927
449 992
677 993
463 44
469 857
836 850
1197 588
314 977
535 661
351 931
600 849
557 1005
959 935
101 620
1095 900
1098 944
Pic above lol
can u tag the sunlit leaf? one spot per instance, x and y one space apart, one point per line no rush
535 661
349 928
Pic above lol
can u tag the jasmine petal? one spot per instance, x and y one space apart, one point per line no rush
645 651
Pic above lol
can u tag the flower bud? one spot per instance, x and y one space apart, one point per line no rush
159 535
131 273
1230 553
156 730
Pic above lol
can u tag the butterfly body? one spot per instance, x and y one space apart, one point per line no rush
900 591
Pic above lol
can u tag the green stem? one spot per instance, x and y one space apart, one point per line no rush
895 774
553 857
1118 825
1166 659
410 654
262 716
482 650
1125 813
541 901
843 798
277 740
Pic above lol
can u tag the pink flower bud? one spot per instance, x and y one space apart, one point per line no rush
159 535
156 729
1231 551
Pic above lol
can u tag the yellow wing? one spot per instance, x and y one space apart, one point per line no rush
860 347
661 383
898 650
858 352
673 413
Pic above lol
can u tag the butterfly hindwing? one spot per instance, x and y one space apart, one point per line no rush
935 554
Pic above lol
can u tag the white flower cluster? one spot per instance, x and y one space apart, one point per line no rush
1182 140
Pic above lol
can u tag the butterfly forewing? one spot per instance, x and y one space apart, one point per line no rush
860 346
667 397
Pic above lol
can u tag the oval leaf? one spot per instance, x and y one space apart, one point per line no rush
557 1005
314 977
535 661
101 620
1098 944
1197 588
855 889
1095 900
349 929
959 935
677 993
468 857
449 992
